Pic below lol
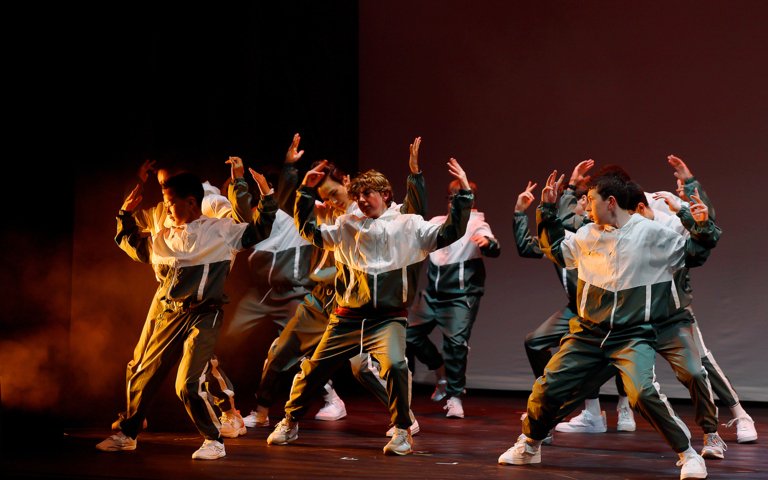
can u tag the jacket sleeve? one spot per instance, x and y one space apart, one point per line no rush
416 195
286 188
260 225
551 233
703 239
304 216
690 187
240 198
130 238
527 244
455 225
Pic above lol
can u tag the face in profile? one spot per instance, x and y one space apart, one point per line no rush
372 203
180 210
598 208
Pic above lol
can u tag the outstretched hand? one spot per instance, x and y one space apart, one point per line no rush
551 188
261 181
294 154
413 159
314 176
237 170
480 240
672 201
133 199
579 170
699 210
457 172
682 172
525 199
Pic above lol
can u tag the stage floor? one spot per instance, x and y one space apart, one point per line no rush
352 448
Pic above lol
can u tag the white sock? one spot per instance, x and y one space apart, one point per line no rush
592 405
623 403
737 411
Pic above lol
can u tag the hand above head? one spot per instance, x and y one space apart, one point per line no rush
237 169
294 154
314 176
458 173
680 189
132 200
480 240
579 170
413 159
551 188
146 168
525 199
672 200
682 172
699 210
261 181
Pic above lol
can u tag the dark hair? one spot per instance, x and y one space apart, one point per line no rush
331 171
613 171
455 186
610 186
185 185
635 196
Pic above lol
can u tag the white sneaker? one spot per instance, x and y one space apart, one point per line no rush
745 429
257 418
284 433
454 407
401 443
626 422
584 422
334 408
232 424
693 466
521 453
117 443
440 388
209 450
415 428
714 446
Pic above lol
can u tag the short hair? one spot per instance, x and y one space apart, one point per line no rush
331 171
613 171
635 196
185 185
611 186
582 187
370 180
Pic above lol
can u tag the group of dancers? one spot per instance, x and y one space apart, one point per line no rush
335 262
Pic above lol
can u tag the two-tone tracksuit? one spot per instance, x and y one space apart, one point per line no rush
450 301
377 266
304 330
625 284
192 262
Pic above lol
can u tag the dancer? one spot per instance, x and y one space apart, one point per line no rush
610 329
376 253
193 258
451 300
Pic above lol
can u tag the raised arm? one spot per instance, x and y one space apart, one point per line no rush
549 226
129 236
416 189
289 176
455 224
527 244
689 183
568 201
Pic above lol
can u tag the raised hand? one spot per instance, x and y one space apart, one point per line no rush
682 172
551 187
672 201
237 170
314 176
132 200
579 170
680 189
294 154
525 199
261 181
413 159
146 168
699 210
457 172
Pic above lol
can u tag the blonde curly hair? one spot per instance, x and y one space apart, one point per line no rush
371 180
